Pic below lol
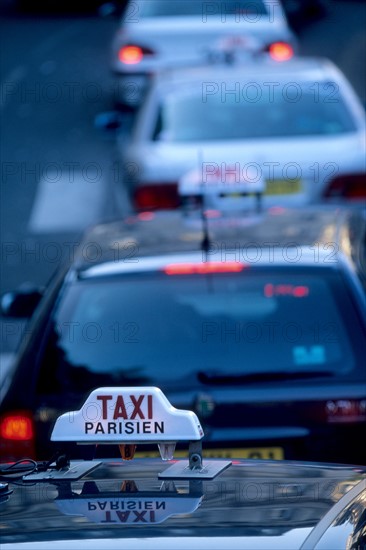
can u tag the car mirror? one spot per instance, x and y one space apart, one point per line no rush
108 121
108 9
20 303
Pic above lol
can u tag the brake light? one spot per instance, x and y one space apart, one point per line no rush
299 291
348 186
204 268
157 196
346 410
281 51
131 54
17 426
17 435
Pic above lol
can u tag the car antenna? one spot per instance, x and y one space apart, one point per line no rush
205 243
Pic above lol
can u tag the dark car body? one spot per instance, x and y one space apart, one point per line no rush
269 352
251 505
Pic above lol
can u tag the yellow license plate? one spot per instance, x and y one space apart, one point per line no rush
283 187
264 453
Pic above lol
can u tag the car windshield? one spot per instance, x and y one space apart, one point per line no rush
166 8
177 331
251 111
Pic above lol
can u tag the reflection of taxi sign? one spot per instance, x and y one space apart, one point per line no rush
127 415
134 510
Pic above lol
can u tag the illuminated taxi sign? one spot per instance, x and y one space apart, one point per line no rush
127 415
214 179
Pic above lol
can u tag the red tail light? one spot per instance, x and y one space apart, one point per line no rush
131 54
346 410
17 435
208 267
281 51
349 186
157 196
18 426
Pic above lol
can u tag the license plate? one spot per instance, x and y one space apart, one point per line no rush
239 195
283 187
231 195
263 453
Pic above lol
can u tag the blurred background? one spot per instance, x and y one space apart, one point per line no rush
55 78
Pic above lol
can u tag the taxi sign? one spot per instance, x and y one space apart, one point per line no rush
127 415
234 48
219 180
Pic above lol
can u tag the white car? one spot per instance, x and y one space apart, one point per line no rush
157 34
293 131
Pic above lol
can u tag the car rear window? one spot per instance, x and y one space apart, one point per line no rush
169 330
252 110
166 8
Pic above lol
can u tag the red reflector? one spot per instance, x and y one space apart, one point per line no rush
157 196
17 427
281 51
348 186
209 267
130 55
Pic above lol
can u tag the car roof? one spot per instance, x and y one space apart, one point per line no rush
268 3
251 504
124 243
296 69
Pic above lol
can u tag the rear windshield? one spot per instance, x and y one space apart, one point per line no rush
163 8
252 110
189 329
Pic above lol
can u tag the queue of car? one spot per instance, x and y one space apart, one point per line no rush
225 313
295 129
220 316
161 34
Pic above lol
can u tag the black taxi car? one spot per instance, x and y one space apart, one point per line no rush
194 503
257 323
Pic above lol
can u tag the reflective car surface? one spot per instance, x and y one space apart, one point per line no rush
262 334
157 34
297 126
250 505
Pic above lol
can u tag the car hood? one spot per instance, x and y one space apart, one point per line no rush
251 504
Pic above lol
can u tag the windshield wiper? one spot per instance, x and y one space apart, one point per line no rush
215 378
